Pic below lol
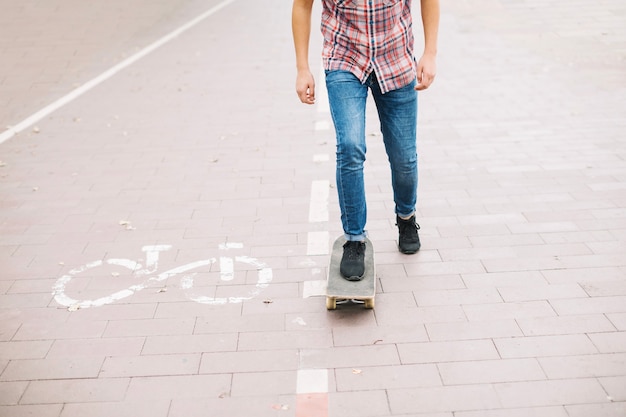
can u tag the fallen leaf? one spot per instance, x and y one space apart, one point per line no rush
127 225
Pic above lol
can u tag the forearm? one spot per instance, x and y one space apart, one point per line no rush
301 30
430 20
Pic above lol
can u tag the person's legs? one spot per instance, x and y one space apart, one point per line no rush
347 97
397 111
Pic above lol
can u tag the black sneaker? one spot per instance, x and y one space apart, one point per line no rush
409 239
352 265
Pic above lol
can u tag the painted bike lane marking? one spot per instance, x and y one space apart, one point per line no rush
227 274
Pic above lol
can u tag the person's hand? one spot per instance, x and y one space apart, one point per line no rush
305 87
426 71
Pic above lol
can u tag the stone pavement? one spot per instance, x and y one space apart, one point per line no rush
164 236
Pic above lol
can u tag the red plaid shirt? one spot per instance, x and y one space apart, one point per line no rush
362 36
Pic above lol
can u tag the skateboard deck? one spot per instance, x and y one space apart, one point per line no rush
339 289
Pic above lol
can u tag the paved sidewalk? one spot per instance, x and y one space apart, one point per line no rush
164 237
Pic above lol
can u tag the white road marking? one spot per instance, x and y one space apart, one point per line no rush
264 273
317 243
314 289
318 209
312 381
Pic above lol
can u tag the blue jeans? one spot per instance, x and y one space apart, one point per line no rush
397 111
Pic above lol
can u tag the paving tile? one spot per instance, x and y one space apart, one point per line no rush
156 408
457 297
230 322
441 399
363 336
47 410
148 389
151 365
615 387
472 330
40 330
24 350
363 403
505 279
52 368
584 366
96 347
618 320
75 391
434 352
310 339
598 410
584 275
605 288
394 284
520 412
541 346
483 372
593 305
262 406
165 345
263 383
611 342
542 292
252 361
11 392
150 327
341 357
445 268
508 310
418 316
115 312
544 326
550 393
387 377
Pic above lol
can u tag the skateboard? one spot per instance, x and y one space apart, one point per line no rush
340 290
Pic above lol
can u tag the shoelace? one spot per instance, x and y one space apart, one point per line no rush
355 250
408 228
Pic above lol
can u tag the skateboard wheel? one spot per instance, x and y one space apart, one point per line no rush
369 303
331 303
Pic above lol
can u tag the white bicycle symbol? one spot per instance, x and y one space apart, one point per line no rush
226 265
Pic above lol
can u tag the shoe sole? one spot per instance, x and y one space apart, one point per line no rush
408 252
353 278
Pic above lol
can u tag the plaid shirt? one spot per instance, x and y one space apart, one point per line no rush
362 36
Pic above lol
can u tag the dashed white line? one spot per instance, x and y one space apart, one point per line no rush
318 209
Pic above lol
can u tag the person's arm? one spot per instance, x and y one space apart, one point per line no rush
427 65
301 29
